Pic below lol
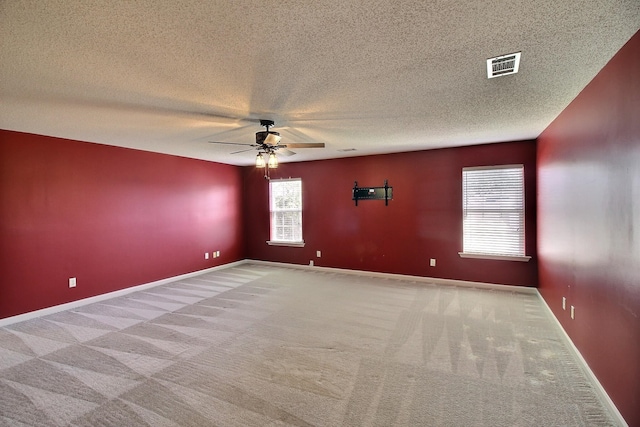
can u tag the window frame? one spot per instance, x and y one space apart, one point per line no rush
272 213
522 211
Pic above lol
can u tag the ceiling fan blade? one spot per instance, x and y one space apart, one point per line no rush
242 151
231 133
304 145
232 143
272 139
284 152
296 135
161 107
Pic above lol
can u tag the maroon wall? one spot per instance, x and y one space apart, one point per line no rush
423 221
111 217
589 224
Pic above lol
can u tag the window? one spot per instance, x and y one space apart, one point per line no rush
493 212
285 205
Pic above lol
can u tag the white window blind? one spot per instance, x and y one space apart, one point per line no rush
493 210
285 204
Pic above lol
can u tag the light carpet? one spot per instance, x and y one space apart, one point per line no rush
258 345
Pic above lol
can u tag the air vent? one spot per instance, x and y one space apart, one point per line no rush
344 150
503 65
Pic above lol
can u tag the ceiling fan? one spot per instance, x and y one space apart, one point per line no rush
268 142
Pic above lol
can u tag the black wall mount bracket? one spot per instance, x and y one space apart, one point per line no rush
372 193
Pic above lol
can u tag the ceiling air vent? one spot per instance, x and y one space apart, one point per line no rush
503 65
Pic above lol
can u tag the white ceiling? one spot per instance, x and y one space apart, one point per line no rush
377 76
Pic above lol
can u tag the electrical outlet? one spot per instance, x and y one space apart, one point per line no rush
573 312
206 255
564 303
318 254
432 262
72 282
311 263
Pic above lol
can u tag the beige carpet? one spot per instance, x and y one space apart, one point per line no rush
257 345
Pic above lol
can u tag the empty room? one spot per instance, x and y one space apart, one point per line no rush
276 213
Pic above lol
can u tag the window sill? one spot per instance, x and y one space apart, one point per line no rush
280 243
495 257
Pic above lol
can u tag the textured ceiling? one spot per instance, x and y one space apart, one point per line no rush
377 76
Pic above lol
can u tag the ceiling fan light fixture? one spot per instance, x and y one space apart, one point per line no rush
273 161
260 161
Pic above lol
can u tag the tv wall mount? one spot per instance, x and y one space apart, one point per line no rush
372 193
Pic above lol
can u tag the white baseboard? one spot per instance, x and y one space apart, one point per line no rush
594 380
421 279
79 303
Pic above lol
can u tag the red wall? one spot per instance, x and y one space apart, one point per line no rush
111 217
589 224
423 221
